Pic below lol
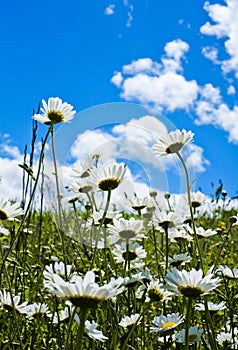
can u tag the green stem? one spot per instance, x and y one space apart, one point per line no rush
187 324
61 230
190 208
29 203
79 339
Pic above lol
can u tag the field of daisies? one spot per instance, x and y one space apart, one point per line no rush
148 273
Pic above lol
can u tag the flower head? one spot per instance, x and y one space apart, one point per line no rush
54 112
190 284
172 142
9 302
125 229
166 323
194 335
129 321
9 211
107 177
85 292
134 252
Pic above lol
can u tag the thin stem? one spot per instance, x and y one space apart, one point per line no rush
79 340
30 201
190 208
187 324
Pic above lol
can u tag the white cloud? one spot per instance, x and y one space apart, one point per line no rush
169 91
225 18
109 10
117 79
195 159
231 90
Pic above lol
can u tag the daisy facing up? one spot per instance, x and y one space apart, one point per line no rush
54 112
166 323
135 253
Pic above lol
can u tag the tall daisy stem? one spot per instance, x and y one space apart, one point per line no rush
30 200
187 324
191 209
79 339
58 197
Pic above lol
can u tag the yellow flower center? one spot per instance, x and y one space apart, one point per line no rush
55 116
167 325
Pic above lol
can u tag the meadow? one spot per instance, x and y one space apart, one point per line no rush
158 272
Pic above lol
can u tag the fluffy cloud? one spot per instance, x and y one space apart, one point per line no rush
163 86
225 25
160 85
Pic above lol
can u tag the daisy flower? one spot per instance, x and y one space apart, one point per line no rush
166 323
190 284
54 112
212 307
129 321
168 220
82 169
227 272
138 203
125 229
173 142
134 253
179 235
37 310
9 211
92 331
58 268
9 302
179 259
4 231
84 291
194 335
157 292
109 219
108 176
202 233
65 314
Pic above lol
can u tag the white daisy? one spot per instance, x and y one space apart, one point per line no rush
125 229
190 284
212 307
134 253
58 268
179 235
129 321
37 310
202 233
168 220
157 292
227 272
194 335
107 177
85 292
179 259
92 331
55 111
166 323
65 314
109 218
9 302
173 142
4 231
9 211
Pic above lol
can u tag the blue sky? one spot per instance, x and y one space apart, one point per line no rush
178 57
